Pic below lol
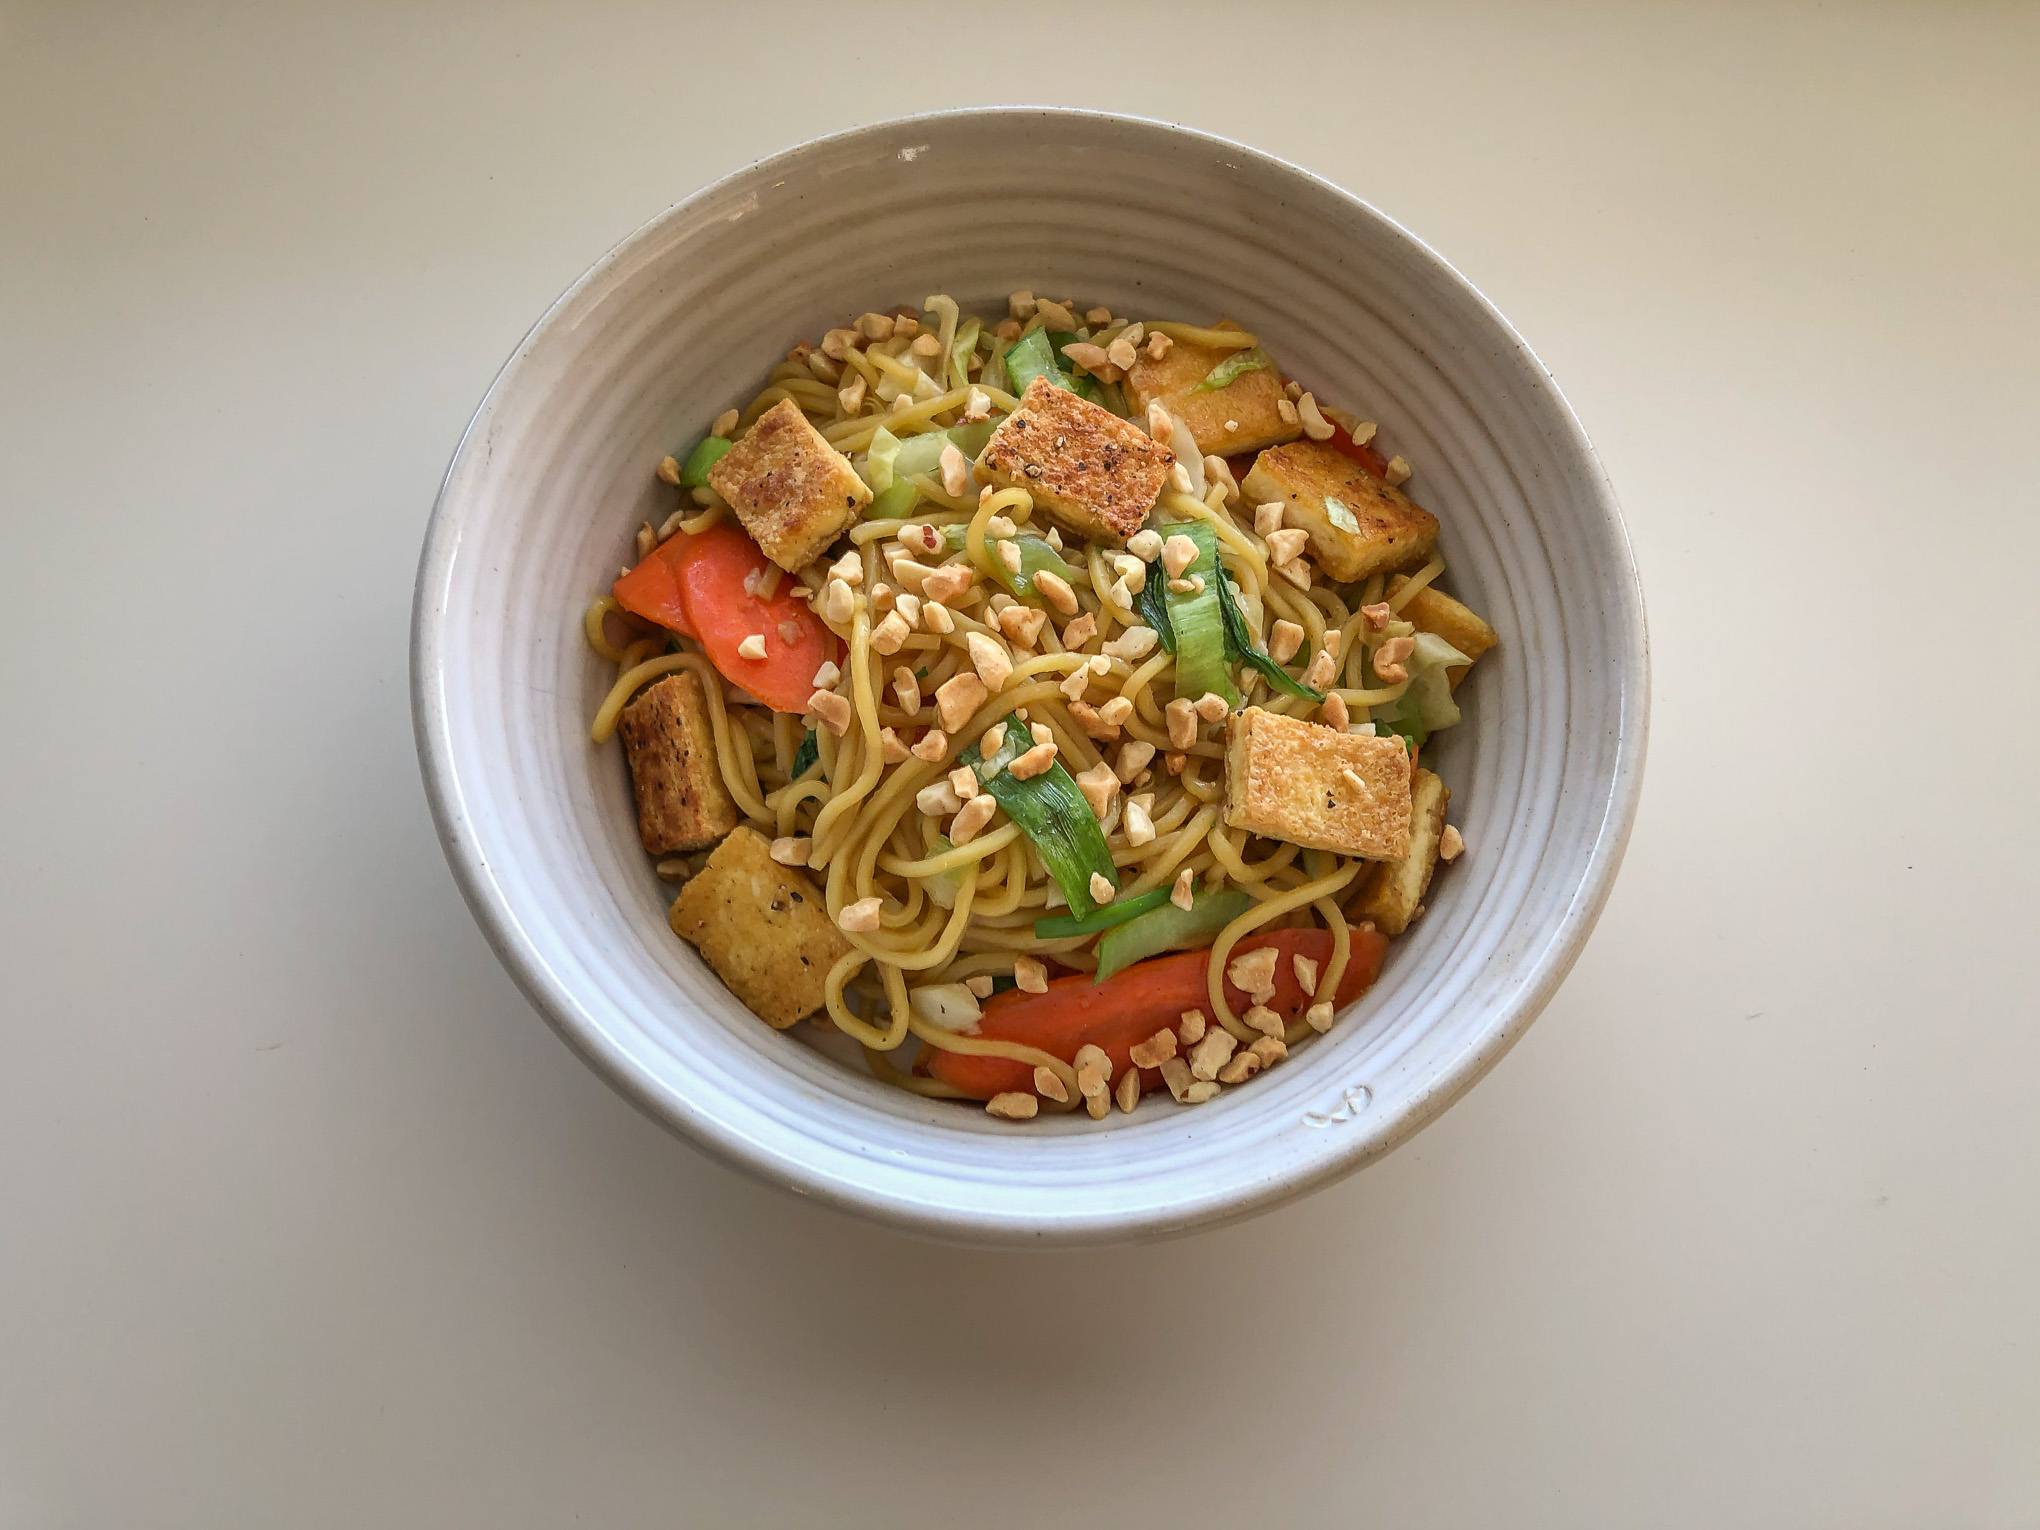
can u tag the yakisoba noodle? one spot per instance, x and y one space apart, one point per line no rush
1079 675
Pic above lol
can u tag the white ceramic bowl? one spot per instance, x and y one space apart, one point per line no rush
685 316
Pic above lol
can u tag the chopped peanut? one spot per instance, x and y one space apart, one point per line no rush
1128 1093
1378 615
1080 632
1204 1089
1178 553
1190 1027
1056 591
1389 657
948 582
1210 1054
1254 971
1320 1017
861 916
955 470
791 849
891 747
753 647
1013 1106
890 635
1099 786
1284 638
1034 762
1155 1051
1211 707
832 709
1333 713
1243 1067
1271 1050
938 799
971 819
980 986
1140 826
1263 1019
1134 756
1176 1074
1286 546
1451 844
1398 472
1133 645
1102 890
1182 719
1315 425
1306 972
1031 973
1183 894
906 687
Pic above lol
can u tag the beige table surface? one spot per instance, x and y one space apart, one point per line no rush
307 1220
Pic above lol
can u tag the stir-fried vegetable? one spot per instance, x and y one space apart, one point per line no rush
1052 813
1240 642
1029 357
1429 683
1401 716
711 580
1080 383
1115 913
1153 605
1197 621
805 756
1036 555
881 460
1125 1010
694 474
1253 359
1169 928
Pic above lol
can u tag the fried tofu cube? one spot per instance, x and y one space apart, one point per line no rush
1249 404
1317 786
1090 472
1393 893
792 490
762 927
1432 610
682 803
1358 524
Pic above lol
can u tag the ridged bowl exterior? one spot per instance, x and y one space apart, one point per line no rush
686 315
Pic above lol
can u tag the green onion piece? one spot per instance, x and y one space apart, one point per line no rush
1401 716
1030 357
971 439
1253 359
1081 384
1198 622
1051 812
804 757
895 502
1169 928
879 460
1239 639
1062 926
1035 555
1153 605
705 456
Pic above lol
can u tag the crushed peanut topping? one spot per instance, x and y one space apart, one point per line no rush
1284 638
1184 894
1181 715
971 819
1080 631
1389 657
1134 756
1319 1017
1333 713
1031 973
1263 1019
932 746
860 917
1451 844
1243 1067
1306 972
1211 707
980 986
1155 1051
1253 971
832 709
1128 1093
1210 1054
1102 891
1178 553
1191 1026
792 849
993 663
1033 763
1013 1106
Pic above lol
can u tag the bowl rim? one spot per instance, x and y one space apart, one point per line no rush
500 927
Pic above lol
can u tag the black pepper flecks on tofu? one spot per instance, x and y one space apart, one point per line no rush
762 927
1089 471
669 741
792 490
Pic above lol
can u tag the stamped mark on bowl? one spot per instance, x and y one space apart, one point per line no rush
1356 1098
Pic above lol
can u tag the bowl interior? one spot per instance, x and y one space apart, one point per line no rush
685 318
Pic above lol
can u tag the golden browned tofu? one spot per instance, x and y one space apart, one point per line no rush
762 927
1089 471
1393 892
682 803
1358 525
1243 416
1431 610
792 490
1316 786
